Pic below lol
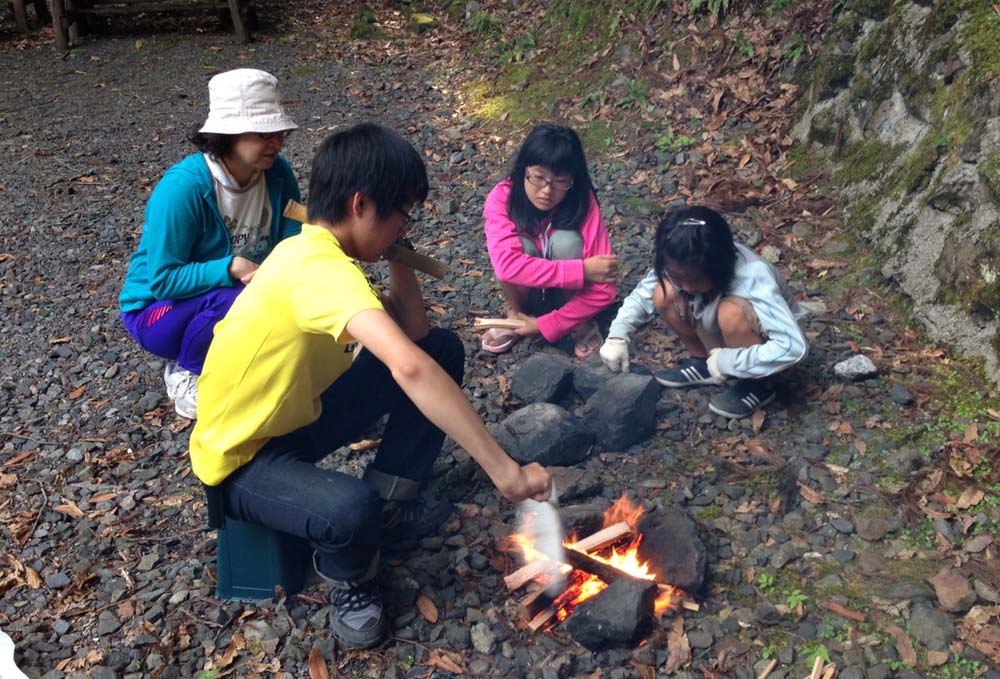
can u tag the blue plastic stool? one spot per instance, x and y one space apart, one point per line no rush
251 560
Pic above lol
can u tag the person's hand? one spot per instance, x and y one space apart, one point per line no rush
614 353
242 269
713 365
600 269
530 327
531 482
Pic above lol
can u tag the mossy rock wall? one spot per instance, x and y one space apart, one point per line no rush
905 101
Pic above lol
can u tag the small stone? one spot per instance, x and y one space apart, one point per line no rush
107 623
148 561
74 455
766 614
953 591
901 395
771 254
483 638
931 627
843 555
57 580
985 591
856 368
872 528
842 526
700 639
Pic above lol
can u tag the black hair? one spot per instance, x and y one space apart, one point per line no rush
216 145
368 159
700 238
557 148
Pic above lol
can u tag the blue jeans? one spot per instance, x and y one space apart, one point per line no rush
341 515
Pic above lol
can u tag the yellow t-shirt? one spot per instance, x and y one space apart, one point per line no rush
283 342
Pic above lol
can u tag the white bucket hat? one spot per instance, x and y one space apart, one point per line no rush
245 100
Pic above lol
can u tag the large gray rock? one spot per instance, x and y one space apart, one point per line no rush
623 411
543 378
672 548
931 627
544 433
617 617
590 376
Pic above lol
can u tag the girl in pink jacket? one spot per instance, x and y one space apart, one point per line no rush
548 245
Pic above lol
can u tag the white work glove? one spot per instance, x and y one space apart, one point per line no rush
614 353
713 365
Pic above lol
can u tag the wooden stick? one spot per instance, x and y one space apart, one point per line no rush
508 323
689 605
817 668
767 670
414 260
542 619
589 564
830 672
534 602
601 538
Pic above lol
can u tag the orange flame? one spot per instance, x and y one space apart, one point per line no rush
583 586
623 510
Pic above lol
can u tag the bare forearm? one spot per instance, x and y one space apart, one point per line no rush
405 301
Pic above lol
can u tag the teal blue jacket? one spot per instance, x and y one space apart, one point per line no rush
185 248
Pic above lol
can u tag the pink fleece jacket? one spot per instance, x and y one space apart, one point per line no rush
512 265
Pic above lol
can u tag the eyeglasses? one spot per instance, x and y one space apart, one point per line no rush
270 136
407 219
540 182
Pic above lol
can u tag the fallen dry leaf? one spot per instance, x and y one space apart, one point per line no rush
317 665
445 660
69 509
77 393
102 497
811 495
843 611
904 646
971 433
970 497
680 650
32 577
757 420
428 611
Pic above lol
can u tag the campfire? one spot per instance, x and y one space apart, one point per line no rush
592 564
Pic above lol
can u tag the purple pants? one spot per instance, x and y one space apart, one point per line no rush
181 330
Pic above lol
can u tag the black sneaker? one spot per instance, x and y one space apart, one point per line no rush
356 616
742 399
690 372
404 523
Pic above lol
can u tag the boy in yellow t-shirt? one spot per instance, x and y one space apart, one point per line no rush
279 391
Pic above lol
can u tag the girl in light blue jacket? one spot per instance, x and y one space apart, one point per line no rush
732 310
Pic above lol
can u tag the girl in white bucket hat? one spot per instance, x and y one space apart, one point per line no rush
209 223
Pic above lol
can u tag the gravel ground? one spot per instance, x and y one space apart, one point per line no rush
110 566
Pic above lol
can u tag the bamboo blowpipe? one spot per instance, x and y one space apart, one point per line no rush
414 260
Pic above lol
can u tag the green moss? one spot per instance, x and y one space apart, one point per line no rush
803 162
871 9
919 165
989 171
363 23
422 22
943 15
861 160
832 73
983 40
866 89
